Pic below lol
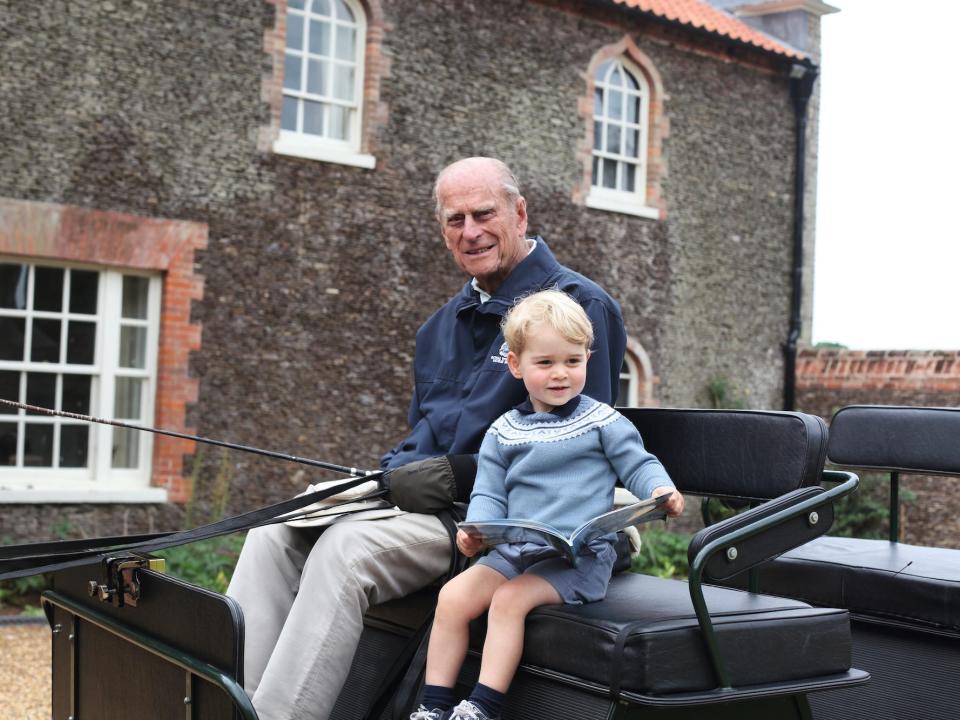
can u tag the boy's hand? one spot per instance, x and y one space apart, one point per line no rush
673 506
468 544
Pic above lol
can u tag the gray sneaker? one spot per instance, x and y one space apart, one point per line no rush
466 710
421 713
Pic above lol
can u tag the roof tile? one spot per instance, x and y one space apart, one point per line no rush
700 14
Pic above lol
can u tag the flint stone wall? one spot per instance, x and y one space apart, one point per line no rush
317 275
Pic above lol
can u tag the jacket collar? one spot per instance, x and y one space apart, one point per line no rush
561 411
533 273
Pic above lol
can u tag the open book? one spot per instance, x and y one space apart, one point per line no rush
494 532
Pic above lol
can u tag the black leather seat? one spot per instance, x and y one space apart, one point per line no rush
904 599
647 641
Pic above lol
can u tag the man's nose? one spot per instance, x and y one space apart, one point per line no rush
471 228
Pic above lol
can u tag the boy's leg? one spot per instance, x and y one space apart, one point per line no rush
511 604
461 600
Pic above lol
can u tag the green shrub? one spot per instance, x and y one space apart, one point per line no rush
866 512
208 563
662 553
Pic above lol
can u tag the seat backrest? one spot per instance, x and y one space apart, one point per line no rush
752 454
896 439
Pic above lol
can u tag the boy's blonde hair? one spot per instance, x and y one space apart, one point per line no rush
553 308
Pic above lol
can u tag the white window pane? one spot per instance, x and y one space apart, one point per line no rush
83 291
633 137
12 330
74 446
633 109
126 399
319 37
13 286
601 72
630 182
9 390
343 76
292 65
8 443
135 297
344 12
133 347
294 31
613 139
317 77
45 343
76 393
615 104
631 81
126 448
295 4
81 342
598 102
616 78
42 390
597 135
320 7
610 174
595 176
48 289
346 43
288 115
38 445
312 117
339 123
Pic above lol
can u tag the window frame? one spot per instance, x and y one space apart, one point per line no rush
99 479
317 147
602 198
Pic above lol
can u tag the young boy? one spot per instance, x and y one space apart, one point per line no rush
555 458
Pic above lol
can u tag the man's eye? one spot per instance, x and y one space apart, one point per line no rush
455 221
483 215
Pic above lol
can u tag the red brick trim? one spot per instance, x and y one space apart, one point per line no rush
376 68
908 370
658 126
44 230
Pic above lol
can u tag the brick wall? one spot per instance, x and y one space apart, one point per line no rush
830 379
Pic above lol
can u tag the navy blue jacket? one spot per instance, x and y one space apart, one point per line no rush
460 368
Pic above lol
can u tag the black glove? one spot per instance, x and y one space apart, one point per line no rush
428 486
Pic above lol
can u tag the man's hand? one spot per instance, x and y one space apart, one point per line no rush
673 506
468 544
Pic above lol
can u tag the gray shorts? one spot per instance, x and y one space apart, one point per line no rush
587 582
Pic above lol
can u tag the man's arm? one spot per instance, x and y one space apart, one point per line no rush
606 357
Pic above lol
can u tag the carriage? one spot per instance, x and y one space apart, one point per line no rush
776 619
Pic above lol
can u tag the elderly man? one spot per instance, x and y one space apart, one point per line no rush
304 593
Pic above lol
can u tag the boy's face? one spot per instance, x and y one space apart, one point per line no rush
553 369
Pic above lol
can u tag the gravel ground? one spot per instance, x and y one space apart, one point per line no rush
24 671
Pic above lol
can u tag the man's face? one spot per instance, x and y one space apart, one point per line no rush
482 229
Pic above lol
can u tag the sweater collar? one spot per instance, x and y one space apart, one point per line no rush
532 273
561 411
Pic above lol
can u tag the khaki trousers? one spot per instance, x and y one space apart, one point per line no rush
304 594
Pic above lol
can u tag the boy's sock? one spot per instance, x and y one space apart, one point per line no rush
437 697
490 701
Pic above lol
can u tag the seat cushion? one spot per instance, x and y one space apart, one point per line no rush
762 639
908 583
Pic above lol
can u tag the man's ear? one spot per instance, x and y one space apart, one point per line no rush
513 362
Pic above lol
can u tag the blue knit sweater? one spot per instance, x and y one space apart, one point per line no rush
560 467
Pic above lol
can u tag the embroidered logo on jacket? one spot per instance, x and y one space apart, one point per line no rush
502 357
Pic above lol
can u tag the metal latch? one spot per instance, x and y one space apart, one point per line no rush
121 585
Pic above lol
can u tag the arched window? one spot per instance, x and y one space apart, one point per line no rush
621 106
624 128
636 377
321 113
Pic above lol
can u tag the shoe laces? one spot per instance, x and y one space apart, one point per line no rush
467 711
422 713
